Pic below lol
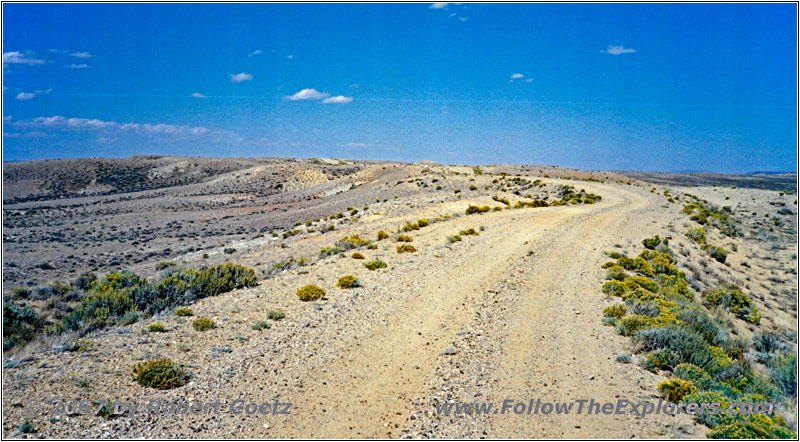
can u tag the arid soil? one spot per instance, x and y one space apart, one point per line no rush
511 313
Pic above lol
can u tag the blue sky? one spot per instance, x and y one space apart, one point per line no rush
592 86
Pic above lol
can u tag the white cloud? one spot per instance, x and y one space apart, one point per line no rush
355 85
58 122
339 99
308 94
238 78
199 95
529 80
515 76
16 57
78 66
463 19
617 50
81 55
256 52
25 95
358 145
290 56
439 5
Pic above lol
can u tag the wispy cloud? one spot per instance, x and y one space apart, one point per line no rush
515 76
199 95
78 66
529 80
256 52
31 95
356 145
58 122
81 55
290 56
238 78
446 7
618 50
339 99
308 94
16 57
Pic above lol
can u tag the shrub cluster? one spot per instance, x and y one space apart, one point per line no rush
161 374
183 311
406 248
697 234
568 195
123 292
203 324
477 209
734 301
382 235
347 281
716 252
375 264
676 334
534 204
706 214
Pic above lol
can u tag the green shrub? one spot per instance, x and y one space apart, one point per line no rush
734 301
276 315
697 234
501 200
347 281
751 430
616 272
469 231
375 264
533 204
613 288
674 390
157 327
382 235
477 209
128 318
352 242
161 265
783 371
183 311
161 374
203 324
408 227
615 311
20 323
403 238
26 426
422 222
310 293
716 252
223 278
453 238
662 359
261 325
652 243
357 255
695 374
77 345
406 248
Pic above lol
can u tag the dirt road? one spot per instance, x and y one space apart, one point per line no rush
554 346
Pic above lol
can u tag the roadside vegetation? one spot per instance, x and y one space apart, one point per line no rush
691 337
